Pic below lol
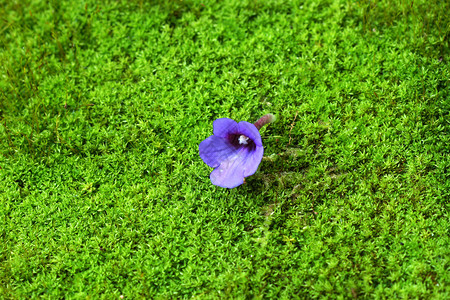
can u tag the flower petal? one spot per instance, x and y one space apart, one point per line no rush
252 162
214 150
250 130
231 171
224 126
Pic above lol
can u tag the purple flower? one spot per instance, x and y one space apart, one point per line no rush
235 151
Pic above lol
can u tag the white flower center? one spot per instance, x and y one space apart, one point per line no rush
243 140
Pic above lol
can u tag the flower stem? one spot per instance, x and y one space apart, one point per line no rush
269 118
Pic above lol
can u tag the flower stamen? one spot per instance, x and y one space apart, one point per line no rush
243 140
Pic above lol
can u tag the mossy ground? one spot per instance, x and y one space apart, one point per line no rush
103 105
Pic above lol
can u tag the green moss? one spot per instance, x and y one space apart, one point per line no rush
102 191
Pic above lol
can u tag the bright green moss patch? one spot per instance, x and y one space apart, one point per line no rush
102 190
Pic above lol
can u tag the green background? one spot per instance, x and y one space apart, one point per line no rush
103 193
